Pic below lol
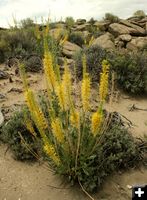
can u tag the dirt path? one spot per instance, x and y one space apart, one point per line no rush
21 181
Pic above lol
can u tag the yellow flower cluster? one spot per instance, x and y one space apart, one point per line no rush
85 91
57 130
75 119
49 71
97 119
103 89
63 90
50 151
37 114
60 91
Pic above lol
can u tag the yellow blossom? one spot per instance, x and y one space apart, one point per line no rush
57 130
36 113
49 72
62 96
97 119
75 119
103 89
85 91
50 151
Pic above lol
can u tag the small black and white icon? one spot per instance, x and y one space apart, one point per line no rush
139 193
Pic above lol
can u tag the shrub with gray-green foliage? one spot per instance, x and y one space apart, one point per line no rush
77 38
94 55
131 70
10 135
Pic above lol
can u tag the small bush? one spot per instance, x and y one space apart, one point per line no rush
94 56
76 38
10 135
69 21
131 70
112 18
139 13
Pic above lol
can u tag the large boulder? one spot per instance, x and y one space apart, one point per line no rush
105 41
119 29
69 49
137 43
138 29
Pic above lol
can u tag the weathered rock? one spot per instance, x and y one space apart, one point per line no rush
105 41
82 27
69 49
137 29
3 75
119 29
56 31
137 43
80 21
1 118
125 37
102 25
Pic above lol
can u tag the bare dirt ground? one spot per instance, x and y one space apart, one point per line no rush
22 181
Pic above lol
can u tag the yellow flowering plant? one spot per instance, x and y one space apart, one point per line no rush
70 134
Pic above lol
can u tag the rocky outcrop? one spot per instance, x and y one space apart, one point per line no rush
105 41
80 21
69 49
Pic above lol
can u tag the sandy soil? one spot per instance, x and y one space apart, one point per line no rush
21 181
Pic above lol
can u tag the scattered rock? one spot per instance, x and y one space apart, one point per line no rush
3 75
125 37
1 118
15 90
69 49
105 41
102 25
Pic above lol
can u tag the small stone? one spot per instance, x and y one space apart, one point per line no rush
129 187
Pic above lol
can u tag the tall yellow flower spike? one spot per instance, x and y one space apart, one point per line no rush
97 119
50 151
85 91
75 119
49 71
62 97
57 130
104 78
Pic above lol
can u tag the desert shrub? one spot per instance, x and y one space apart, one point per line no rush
94 56
26 23
116 151
131 70
139 13
10 135
69 21
112 18
77 38
33 63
